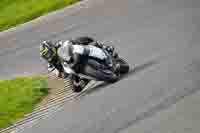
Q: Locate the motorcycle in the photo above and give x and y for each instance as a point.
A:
(112, 74)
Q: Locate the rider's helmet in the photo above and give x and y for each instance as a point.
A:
(48, 50)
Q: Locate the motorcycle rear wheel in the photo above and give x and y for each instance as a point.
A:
(124, 66)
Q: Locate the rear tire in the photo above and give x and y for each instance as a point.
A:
(124, 67)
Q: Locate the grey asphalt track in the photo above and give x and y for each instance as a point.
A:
(159, 37)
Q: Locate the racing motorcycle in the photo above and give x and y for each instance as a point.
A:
(111, 74)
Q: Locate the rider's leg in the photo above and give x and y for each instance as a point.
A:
(96, 65)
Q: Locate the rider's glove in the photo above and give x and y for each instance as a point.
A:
(50, 67)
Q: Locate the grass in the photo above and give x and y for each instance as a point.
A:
(15, 12)
(19, 97)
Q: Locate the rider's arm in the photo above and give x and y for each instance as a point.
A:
(75, 60)
(72, 64)
(77, 52)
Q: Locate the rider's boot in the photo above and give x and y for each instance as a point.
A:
(80, 85)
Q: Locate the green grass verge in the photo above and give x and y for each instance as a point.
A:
(19, 97)
(14, 12)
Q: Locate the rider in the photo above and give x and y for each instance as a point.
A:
(72, 52)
